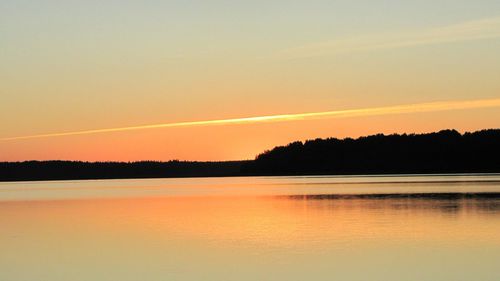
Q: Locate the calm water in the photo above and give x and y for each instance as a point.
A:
(262, 228)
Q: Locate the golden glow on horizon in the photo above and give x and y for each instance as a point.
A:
(162, 80)
(376, 111)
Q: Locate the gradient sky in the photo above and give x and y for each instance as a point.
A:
(85, 65)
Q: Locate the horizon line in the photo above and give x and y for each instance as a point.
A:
(360, 112)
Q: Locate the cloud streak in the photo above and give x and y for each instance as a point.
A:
(466, 31)
(362, 112)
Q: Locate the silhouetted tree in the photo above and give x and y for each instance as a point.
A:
(444, 151)
(65, 170)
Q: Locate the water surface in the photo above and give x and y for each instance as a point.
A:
(437, 227)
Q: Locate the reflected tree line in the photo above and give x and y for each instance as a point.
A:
(446, 151)
(484, 202)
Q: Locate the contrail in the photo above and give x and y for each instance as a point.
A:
(374, 111)
(480, 29)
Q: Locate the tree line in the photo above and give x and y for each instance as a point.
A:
(446, 151)
(69, 170)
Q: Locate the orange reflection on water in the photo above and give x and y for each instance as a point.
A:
(270, 221)
(248, 238)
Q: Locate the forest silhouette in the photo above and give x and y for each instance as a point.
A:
(446, 151)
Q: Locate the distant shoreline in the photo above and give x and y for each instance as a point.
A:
(451, 174)
(444, 152)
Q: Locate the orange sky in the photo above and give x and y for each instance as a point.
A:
(240, 141)
(84, 66)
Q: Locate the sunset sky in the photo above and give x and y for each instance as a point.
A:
(119, 76)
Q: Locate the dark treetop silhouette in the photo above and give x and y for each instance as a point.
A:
(446, 151)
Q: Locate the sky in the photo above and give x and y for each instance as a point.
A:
(95, 67)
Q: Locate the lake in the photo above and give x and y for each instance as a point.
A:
(425, 227)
